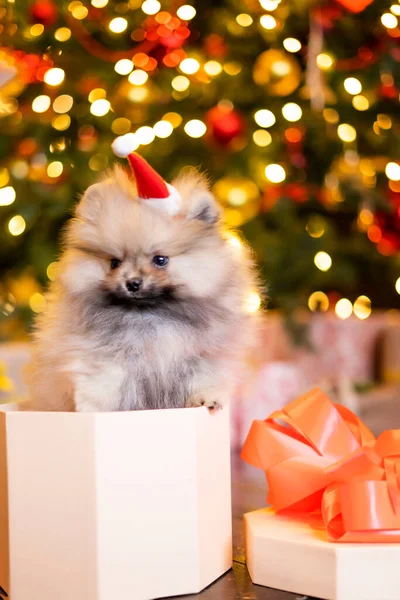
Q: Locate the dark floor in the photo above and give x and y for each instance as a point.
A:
(249, 493)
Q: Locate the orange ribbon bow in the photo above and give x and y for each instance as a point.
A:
(319, 457)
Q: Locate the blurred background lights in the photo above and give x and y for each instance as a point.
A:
(51, 271)
(264, 118)
(322, 261)
(318, 302)
(123, 66)
(244, 20)
(7, 195)
(145, 135)
(63, 104)
(62, 34)
(55, 169)
(97, 94)
(392, 171)
(40, 104)
(397, 286)
(262, 138)
(186, 12)
(291, 45)
(395, 9)
(100, 107)
(180, 83)
(118, 25)
(54, 76)
(343, 308)
(79, 12)
(61, 123)
(292, 112)
(99, 3)
(352, 86)
(268, 22)
(195, 128)
(269, 4)
(362, 307)
(389, 21)
(234, 241)
(189, 66)
(37, 302)
(252, 302)
(275, 173)
(324, 61)
(163, 129)
(213, 68)
(16, 225)
(346, 132)
(36, 30)
(151, 7)
(360, 103)
(138, 77)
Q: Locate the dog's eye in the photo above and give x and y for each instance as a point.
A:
(114, 263)
(160, 261)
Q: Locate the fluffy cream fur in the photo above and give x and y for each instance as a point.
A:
(179, 341)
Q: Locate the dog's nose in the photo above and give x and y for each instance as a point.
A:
(133, 285)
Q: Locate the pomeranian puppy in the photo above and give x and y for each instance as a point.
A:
(147, 310)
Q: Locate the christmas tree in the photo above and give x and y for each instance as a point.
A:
(289, 105)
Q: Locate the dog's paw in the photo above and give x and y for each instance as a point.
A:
(210, 401)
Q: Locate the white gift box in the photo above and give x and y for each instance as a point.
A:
(129, 505)
(289, 555)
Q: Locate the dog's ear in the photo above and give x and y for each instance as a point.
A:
(198, 202)
(88, 206)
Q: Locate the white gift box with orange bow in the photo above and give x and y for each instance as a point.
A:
(128, 505)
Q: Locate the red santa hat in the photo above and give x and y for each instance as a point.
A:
(151, 187)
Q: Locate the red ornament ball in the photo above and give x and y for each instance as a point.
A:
(44, 12)
(225, 124)
(355, 6)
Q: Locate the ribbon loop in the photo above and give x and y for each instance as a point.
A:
(323, 458)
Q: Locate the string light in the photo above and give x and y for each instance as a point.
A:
(163, 129)
(16, 225)
(252, 302)
(118, 25)
(213, 68)
(100, 107)
(324, 61)
(36, 30)
(275, 173)
(264, 118)
(269, 4)
(262, 138)
(268, 22)
(330, 115)
(318, 301)
(54, 76)
(244, 20)
(397, 286)
(138, 94)
(138, 77)
(395, 9)
(352, 86)
(123, 66)
(80, 12)
(62, 34)
(37, 302)
(97, 94)
(189, 66)
(51, 271)
(121, 125)
(343, 308)
(180, 83)
(195, 128)
(360, 103)
(174, 118)
(315, 227)
(384, 121)
(151, 7)
(61, 123)
(186, 12)
(4, 177)
(292, 112)
(346, 132)
(55, 169)
(322, 261)
(232, 68)
(362, 307)
(291, 45)
(389, 21)
(99, 3)
(41, 103)
(145, 135)
(63, 104)
(7, 195)
(392, 171)
(234, 241)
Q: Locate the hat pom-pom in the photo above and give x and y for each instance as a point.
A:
(124, 145)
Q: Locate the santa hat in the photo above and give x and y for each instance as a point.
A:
(151, 187)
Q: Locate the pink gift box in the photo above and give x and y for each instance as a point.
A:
(129, 505)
